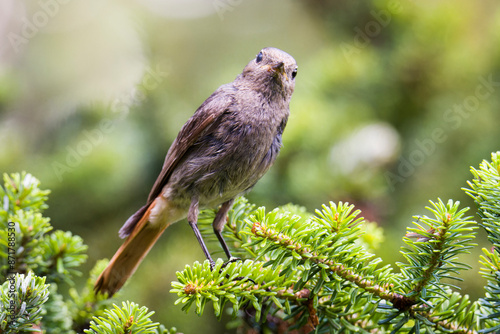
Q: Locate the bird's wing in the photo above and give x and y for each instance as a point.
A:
(202, 120)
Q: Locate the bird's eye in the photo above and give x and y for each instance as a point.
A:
(294, 73)
(259, 57)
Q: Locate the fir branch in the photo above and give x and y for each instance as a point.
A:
(321, 254)
(33, 246)
(316, 273)
(305, 253)
(128, 319)
(432, 257)
(29, 246)
(21, 191)
(485, 190)
(27, 227)
(21, 301)
(61, 252)
(241, 284)
(327, 241)
(452, 314)
(85, 304)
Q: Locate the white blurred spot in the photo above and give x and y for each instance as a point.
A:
(369, 147)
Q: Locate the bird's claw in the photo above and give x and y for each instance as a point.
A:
(231, 260)
(225, 264)
(240, 278)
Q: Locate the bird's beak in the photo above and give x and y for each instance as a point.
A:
(278, 68)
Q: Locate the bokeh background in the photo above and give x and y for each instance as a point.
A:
(394, 101)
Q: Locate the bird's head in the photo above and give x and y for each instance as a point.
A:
(271, 71)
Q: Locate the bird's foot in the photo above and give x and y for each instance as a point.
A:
(231, 260)
(239, 278)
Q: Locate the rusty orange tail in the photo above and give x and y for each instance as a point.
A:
(128, 257)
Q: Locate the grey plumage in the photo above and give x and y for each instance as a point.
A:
(229, 143)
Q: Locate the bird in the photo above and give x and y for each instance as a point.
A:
(220, 153)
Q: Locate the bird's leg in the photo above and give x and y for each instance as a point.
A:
(218, 225)
(193, 222)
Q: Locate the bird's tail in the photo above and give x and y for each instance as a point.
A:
(128, 257)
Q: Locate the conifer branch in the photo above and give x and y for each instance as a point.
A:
(304, 253)
(301, 272)
(485, 190)
(432, 257)
(34, 259)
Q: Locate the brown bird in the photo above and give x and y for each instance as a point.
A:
(220, 153)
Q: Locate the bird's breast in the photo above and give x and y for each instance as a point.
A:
(230, 159)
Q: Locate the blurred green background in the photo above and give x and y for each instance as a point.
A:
(394, 101)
